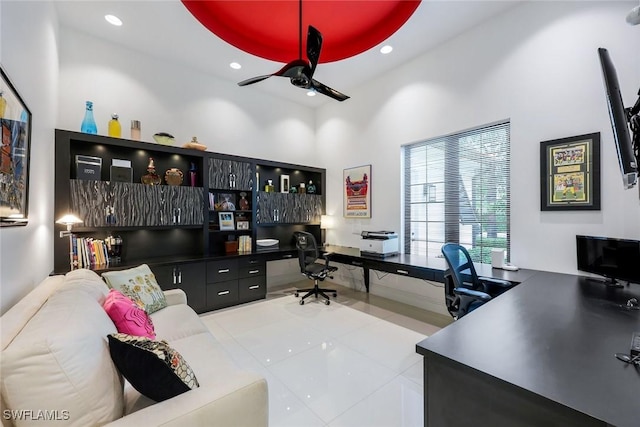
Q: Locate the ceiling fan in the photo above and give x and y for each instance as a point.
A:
(300, 71)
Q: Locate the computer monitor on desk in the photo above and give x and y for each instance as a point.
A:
(614, 259)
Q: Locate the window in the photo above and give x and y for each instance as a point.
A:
(456, 189)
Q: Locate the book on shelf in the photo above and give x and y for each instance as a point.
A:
(89, 252)
(244, 244)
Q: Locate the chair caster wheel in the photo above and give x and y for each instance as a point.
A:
(296, 295)
(301, 302)
(327, 302)
(335, 295)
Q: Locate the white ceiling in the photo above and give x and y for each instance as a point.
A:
(165, 29)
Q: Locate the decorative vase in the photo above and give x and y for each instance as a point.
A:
(193, 177)
(269, 188)
(88, 123)
(114, 128)
(311, 188)
(173, 176)
(151, 178)
(243, 203)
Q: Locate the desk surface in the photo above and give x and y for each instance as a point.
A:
(554, 335)
(434, 264)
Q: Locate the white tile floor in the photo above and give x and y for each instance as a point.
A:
(350, 363)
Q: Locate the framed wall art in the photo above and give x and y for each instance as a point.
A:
(570, 173)
(356, 192)
(15, 122)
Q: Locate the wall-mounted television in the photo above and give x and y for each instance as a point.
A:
(627, 142)
(615, 259)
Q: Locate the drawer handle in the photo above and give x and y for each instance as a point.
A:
(223, 293)
(402, 271)
(254, 271)
(254, 287)
(287, 256)
(359, 264)
(253, 261)
(224, 270)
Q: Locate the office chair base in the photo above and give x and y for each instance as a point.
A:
(315, 291)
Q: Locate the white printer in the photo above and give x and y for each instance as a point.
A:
(379, 243)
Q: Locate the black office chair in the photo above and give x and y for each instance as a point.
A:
(307, 255)
(464, 290)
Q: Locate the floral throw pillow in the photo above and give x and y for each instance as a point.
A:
(140, 285)
(152, 367)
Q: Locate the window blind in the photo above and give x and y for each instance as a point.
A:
(456, 189)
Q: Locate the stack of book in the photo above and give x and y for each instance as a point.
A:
(244, 244)
(89, 253)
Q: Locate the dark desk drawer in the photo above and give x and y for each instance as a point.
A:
(251, 267)
(223, 294)
(223, 270)
(401, 270)
(252, 288)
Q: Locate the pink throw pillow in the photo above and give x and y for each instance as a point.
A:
(127, 316)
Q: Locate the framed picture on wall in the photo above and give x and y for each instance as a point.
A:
(15, 125)
(356, 192)
(570, 173)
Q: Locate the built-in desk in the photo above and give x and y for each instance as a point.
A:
(417, 266)
(541, 354)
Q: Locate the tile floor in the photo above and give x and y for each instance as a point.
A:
(351, 363)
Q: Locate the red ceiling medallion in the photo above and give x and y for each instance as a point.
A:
(270, 29)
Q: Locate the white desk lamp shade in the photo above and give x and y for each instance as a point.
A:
(326, 221)
(69, 220)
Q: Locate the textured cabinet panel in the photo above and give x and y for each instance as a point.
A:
(104, 204)
(288, 208)
(230, 175)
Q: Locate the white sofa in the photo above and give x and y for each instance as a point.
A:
(56, 365)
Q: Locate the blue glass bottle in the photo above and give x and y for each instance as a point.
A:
(89, 124)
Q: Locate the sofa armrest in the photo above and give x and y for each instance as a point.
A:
(175, 296)
(241, 402)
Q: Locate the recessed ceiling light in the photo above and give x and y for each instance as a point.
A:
(235, 65)
(113, 20)
(311, 93)
(386, 49)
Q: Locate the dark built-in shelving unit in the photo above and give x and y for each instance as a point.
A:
(174, 229)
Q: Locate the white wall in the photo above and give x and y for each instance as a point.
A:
(168, 97)
(28, 54)
(536, 65)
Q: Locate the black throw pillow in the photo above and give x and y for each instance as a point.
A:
(152, 367)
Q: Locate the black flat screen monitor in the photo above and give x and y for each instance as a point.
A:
(612, 258)
(619, 121)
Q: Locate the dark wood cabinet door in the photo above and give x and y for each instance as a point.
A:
(190, 277)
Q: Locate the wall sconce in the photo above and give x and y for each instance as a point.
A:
(326, 222)
(69, 220)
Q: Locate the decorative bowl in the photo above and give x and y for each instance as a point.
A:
(267, 242)
(164, 138)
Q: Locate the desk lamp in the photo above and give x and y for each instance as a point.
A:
(69, 220)
(326, 222)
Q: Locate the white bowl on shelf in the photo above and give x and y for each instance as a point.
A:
(263, 243)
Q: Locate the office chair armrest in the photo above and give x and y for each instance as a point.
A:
(496, 282)
(473, 294)
(326, 257)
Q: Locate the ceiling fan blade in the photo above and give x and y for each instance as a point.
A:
(289, 70)
(326, 90)
(253, 80)
(314, 45)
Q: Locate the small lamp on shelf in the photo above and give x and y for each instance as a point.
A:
(326, 222)
(69, 220)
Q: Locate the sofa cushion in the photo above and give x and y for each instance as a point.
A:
(140, 285)
(127, 316)
(61, 361)
(152, 367)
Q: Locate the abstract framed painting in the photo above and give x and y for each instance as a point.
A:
(15, 123)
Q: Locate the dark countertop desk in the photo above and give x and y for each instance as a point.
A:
(541, 354)
(417, 266)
